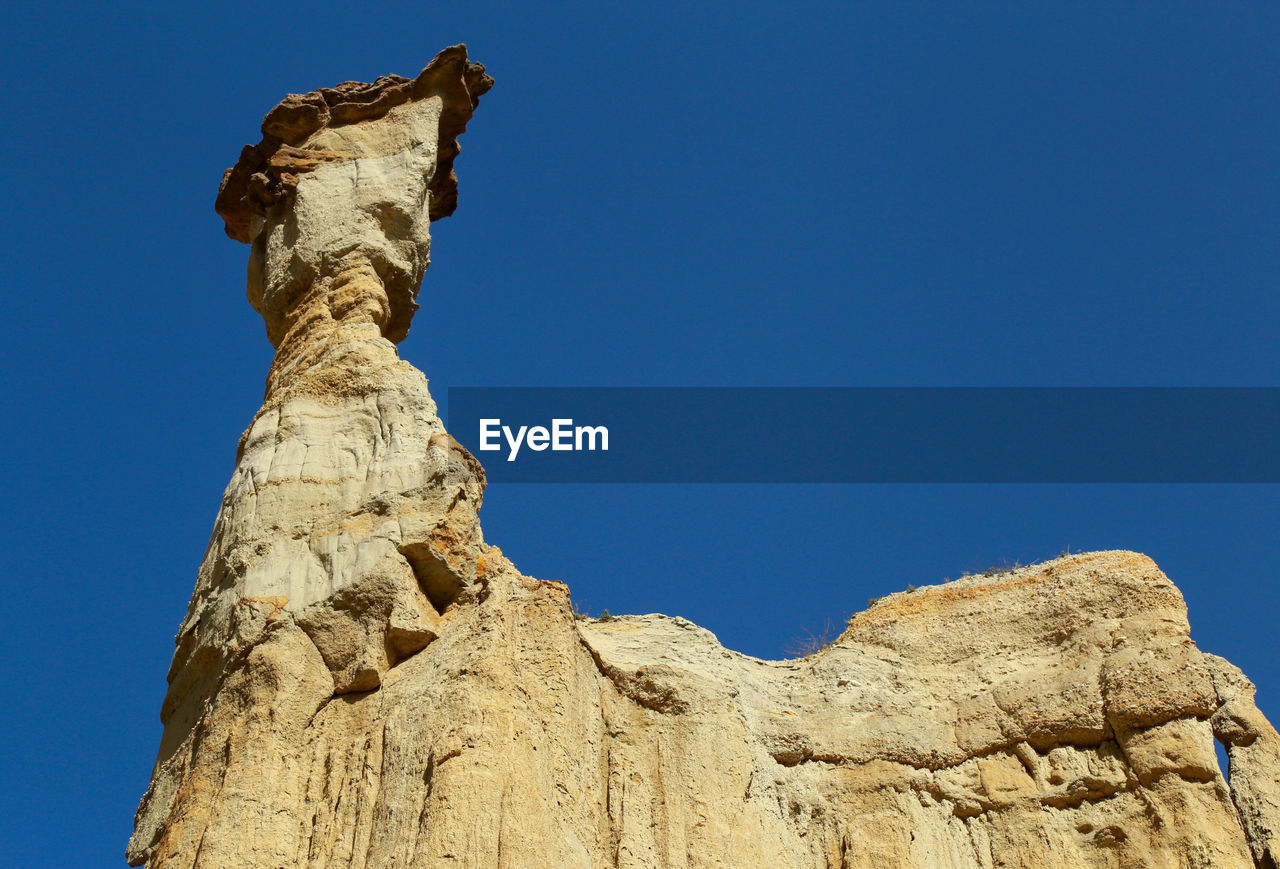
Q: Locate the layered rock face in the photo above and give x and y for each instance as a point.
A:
(362, 681)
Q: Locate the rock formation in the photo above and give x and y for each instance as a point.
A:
(362, 681)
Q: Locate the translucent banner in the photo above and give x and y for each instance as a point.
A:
(871, 435)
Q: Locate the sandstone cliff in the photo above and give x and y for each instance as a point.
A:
(362, 681)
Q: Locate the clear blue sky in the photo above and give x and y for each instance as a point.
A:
(653, 194)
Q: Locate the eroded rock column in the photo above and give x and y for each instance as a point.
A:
(349, 525)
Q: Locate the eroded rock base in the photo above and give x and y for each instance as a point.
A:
(1072, 726)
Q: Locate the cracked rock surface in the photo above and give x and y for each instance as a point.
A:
(362, 681)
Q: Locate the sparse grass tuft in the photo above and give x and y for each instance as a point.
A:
(811, 643)
(1003, 567)
(582, 613)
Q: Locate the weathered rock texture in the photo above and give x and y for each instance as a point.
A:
(362, 681)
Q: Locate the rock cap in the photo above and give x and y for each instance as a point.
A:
(268, 170)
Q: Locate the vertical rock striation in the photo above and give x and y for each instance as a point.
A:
(361, 681)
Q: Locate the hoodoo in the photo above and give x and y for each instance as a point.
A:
(362, 681)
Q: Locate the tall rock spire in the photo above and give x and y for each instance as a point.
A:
(349, 526)
(361, 681)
